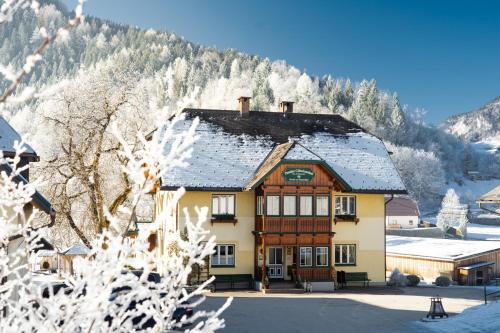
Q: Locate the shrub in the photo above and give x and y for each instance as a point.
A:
(412, 280)
(443, 281)
(397, 279)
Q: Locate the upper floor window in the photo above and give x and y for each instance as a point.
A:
(289, 205)
(223, 205)
(260, 205)
(345, 205)
(306, 205)
(322, 205)
(273, 205)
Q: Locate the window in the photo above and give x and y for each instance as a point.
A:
(223, 256)
(306, 203)
(322, 256)
(289, 205)
(306, 256)
(410, 222)
(223, 205)
(345, 254)
(273, 205)
(345, 205)
(260, 205)
(322, 203)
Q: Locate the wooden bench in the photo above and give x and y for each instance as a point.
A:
(233, 280)
(358, 277)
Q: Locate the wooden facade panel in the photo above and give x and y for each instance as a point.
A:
(321, 176)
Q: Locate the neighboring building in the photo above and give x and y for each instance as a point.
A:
(465, 262)
(67, 257)
(289, 194)
(402, 213)
(7, 138)
(490, 201)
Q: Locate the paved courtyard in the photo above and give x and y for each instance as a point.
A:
(374, 309)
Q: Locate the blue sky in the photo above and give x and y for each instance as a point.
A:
(442, 55)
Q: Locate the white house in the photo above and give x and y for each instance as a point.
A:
(401, 213)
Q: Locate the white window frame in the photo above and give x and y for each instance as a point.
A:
(274, 206)
(223, 204)
(308, 254)
(345, 247)
(260, 205)
(228, 260)
(301, 213)
(287, 211)
(324, 250)
(345, 205)
(327, 213)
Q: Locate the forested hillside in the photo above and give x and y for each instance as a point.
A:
(171, 68)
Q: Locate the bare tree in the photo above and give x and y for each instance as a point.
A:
(85, 174)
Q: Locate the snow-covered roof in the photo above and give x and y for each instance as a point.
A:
(492, 196)
(75, 250)
(437, 248)
(7, 137)
(231, 149)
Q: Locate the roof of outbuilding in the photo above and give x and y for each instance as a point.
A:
(76, 250)
(401, 206)
(492, 196)
(233, 150)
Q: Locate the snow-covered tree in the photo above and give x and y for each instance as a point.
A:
(104, 295)
(453, 214)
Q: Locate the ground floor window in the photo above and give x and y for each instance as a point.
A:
(322, 256)
(306, 256)
(345, 254)
(223, 256)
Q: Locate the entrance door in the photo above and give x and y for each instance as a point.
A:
(275, 262)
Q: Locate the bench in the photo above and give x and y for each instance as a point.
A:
(233, 280)
(358, 277)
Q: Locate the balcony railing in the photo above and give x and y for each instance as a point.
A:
(294, 224)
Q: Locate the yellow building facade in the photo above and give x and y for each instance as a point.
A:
(290, 197)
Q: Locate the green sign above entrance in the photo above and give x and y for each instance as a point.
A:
(296, 174)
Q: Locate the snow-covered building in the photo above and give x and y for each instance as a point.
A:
(402, 213)
(490, 202)
(67, 257)
(8, 136)
(289, 194)
(465, 262)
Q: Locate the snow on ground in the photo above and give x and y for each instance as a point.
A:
(490, 145)
(480, 318)
(483, 232)
(446, 249)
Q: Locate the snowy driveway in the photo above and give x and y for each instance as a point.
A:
(374, 309)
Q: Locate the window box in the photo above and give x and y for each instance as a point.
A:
(346, 218)
(223, 219)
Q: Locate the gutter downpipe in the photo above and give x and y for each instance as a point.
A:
(385, 232)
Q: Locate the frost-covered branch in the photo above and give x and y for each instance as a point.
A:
(6, 11)
(105, 295)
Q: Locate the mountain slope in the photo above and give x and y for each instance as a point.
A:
(478, 125)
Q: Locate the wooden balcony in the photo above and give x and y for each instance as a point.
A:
(282, 224)
(315, 273)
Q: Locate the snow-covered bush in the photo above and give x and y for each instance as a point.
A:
(442, 281)
(453, 214)
(102, 296)
(412, 280)
(397, 279)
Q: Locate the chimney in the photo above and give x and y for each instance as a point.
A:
(286, 107)
(244, 105)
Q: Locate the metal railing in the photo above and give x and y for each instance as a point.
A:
(492, 282)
